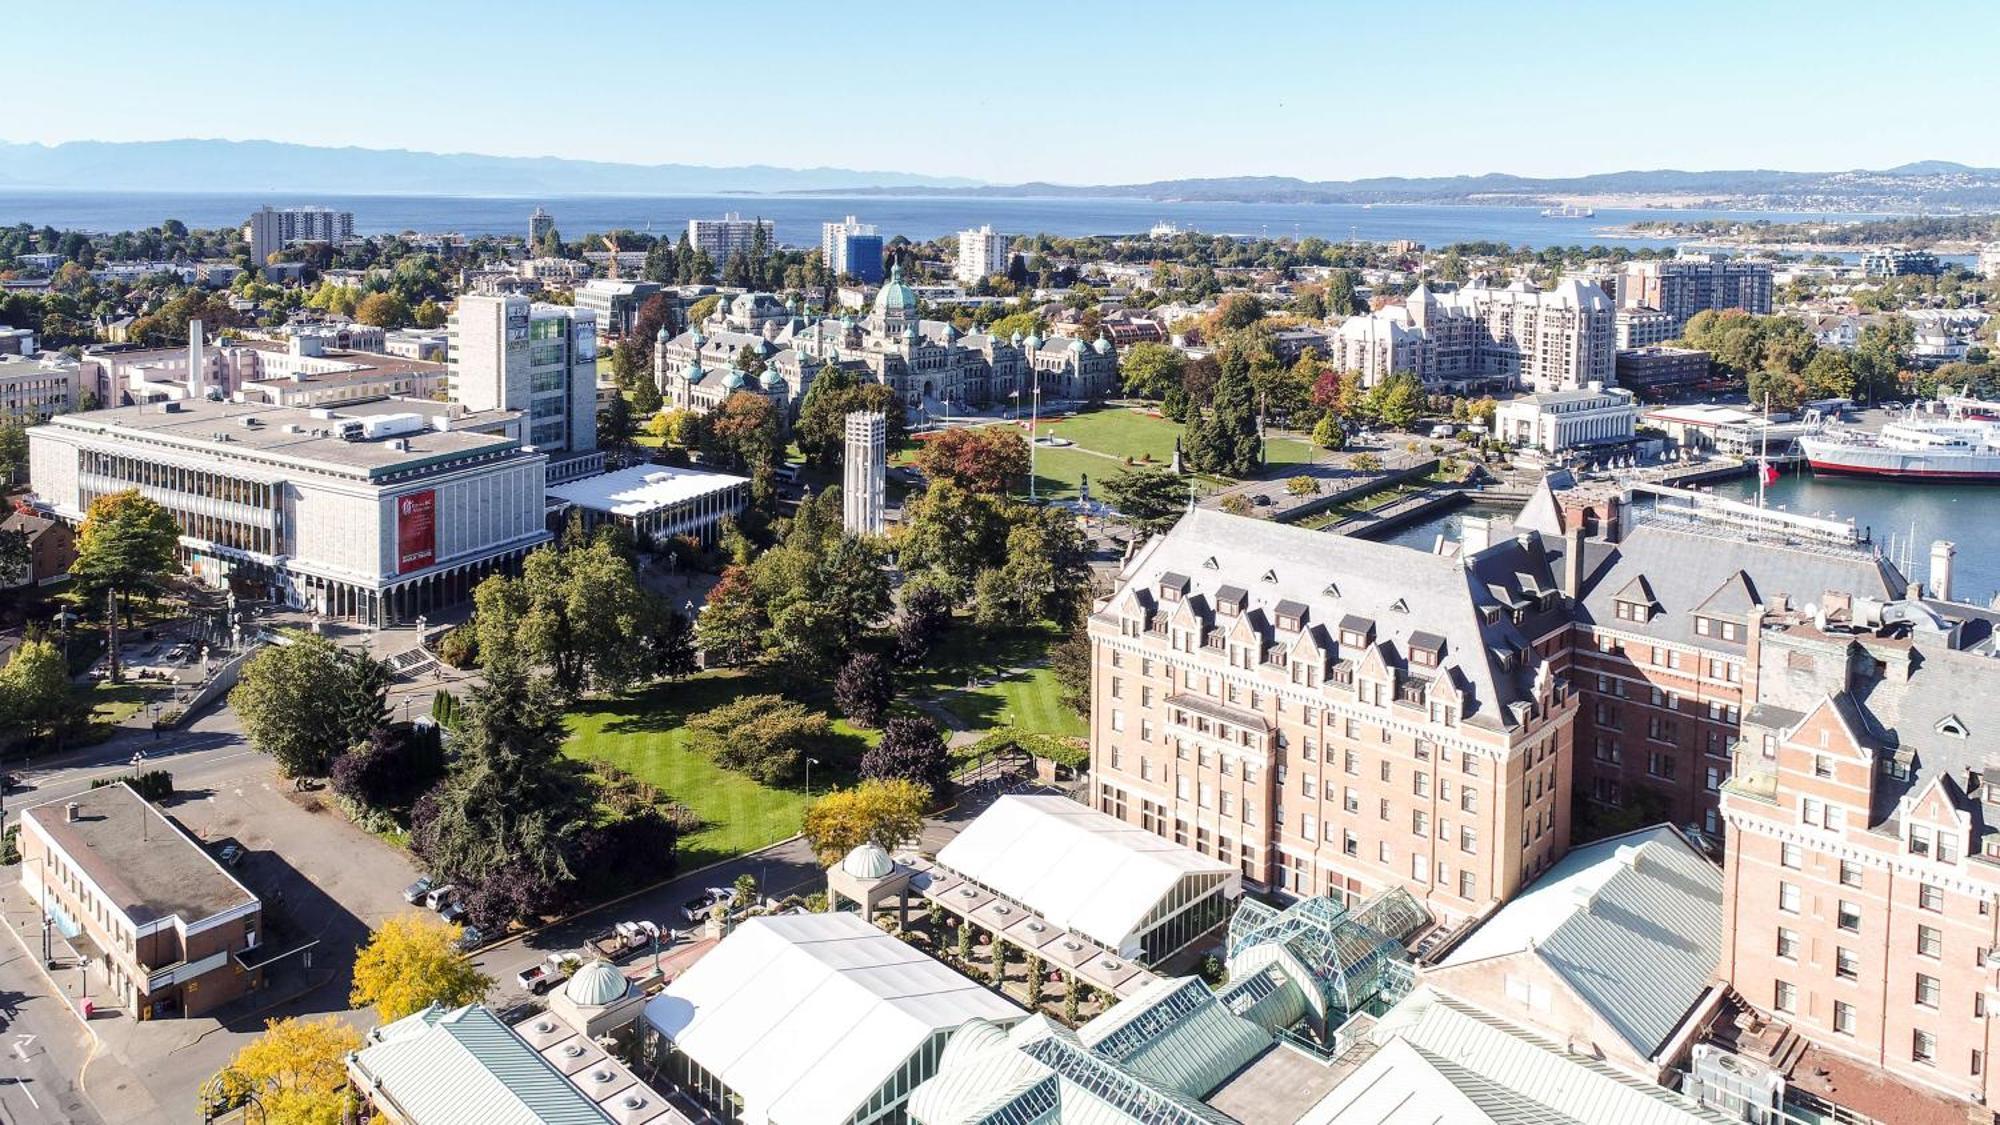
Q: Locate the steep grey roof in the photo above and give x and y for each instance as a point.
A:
(1638, 590)
(1733, 598)
(1633, 924)
(1686, 567)
(1444, 596)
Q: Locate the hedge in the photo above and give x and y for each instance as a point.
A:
(1070, 752)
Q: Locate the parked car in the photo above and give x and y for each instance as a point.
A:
(230, 854)
(453, 911)
(438, 897)
(470, 939)
(415, 892)
(710, 901)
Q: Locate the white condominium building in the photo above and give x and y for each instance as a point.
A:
(723, 238)
(981, 253)
(832, 236)
(1483, 336)
(509, 353)
(270, 230)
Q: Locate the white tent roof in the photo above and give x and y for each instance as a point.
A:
(1081, 869)
(806, 1015)
(642, 489)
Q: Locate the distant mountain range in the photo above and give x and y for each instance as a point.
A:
(1926, 184)
(272, 166)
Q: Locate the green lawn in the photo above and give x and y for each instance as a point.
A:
(111, 704)
(1026, 699)
(642, 732)
(1288, 451)
(1121, 432)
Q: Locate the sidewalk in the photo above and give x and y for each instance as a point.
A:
(104, 1077)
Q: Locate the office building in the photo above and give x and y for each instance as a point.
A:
(1590, 417)
(374, 512)
(18, 341)
(616, 304)
(863, 469)
(1482, 337)
(1682, 287)
(36, 388)
(981, 254)
(1334, 716)
(1641, 327)
(812, 1019)
(732, 234)
(1860, 882)
(510, 353)
(540, 225)
(169, 929)
(1658, 373)
(270, 230)
(853, 249)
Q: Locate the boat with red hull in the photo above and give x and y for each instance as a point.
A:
(1953, 450)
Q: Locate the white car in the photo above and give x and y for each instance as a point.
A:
(698, 908)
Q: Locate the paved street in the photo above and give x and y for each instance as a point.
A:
(42, 1046)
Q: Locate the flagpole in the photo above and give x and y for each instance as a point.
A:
(1764, 452)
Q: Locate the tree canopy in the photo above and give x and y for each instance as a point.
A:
(411, 962)
(306, 701)
(887, 812)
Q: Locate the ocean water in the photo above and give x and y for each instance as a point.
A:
(1901, 519)
(798, 217)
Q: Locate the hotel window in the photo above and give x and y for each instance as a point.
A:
(1224, 802)
(1822, 766)
(1713, 779)
(1382, 854)
(1788, 944)
(1350, 801)
(1931, 898)
(1660, 765)
(1788, 897)
(1790, 855)
(1207, 795)
(1843, 1017)
(1181, 788)
(1468, 800)
(1420, 784)
(1385, 770)
(1468, 840)
(1849, 917)
(1468, 884)
(1308, 825)
(1784, 996)
(1420, 823)
(1351, 763)
(1117, 719)
(1930, 941)
(1249, 811)
(1846, 965)
(1350, 844)
(1382, 809)
(1923, 1048)
(1850, 873)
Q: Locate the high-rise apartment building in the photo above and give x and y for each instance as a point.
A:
(1682, 287)
(732, 234)
(852, 248)
(1482, 336)
(862, 472)
(981, 253)
(539, 225)
(510, 353)
(1862, 875)
(1335, 716)
(270, 230)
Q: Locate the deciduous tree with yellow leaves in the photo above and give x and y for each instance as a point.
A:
(412, 962)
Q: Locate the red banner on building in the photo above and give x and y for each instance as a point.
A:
(416, 530)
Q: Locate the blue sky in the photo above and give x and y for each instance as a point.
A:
(1076, 92)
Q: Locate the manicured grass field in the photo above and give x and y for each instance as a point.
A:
(1121, 432)
(643, 733)
(1287, 451)
(1020, 691)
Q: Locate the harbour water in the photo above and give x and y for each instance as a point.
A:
(1901, 520)
(797, 217)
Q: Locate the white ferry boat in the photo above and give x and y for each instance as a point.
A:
(1569, 211)
(1914, 448)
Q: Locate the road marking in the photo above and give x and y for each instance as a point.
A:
(21, 1084)
(21, 1044)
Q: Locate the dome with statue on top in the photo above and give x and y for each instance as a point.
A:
(896, 299)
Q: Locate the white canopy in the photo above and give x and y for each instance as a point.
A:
(1082, 869)
(807, 1015)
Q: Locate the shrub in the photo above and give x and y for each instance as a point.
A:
(459, 647)
(153, 785)
(767, 737)
(911, 749)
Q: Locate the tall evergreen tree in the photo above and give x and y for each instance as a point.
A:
(1224, 439)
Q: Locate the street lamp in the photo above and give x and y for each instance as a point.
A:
(1034, 420)
(810, 763)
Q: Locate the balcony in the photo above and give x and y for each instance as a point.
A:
(1751, 774)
